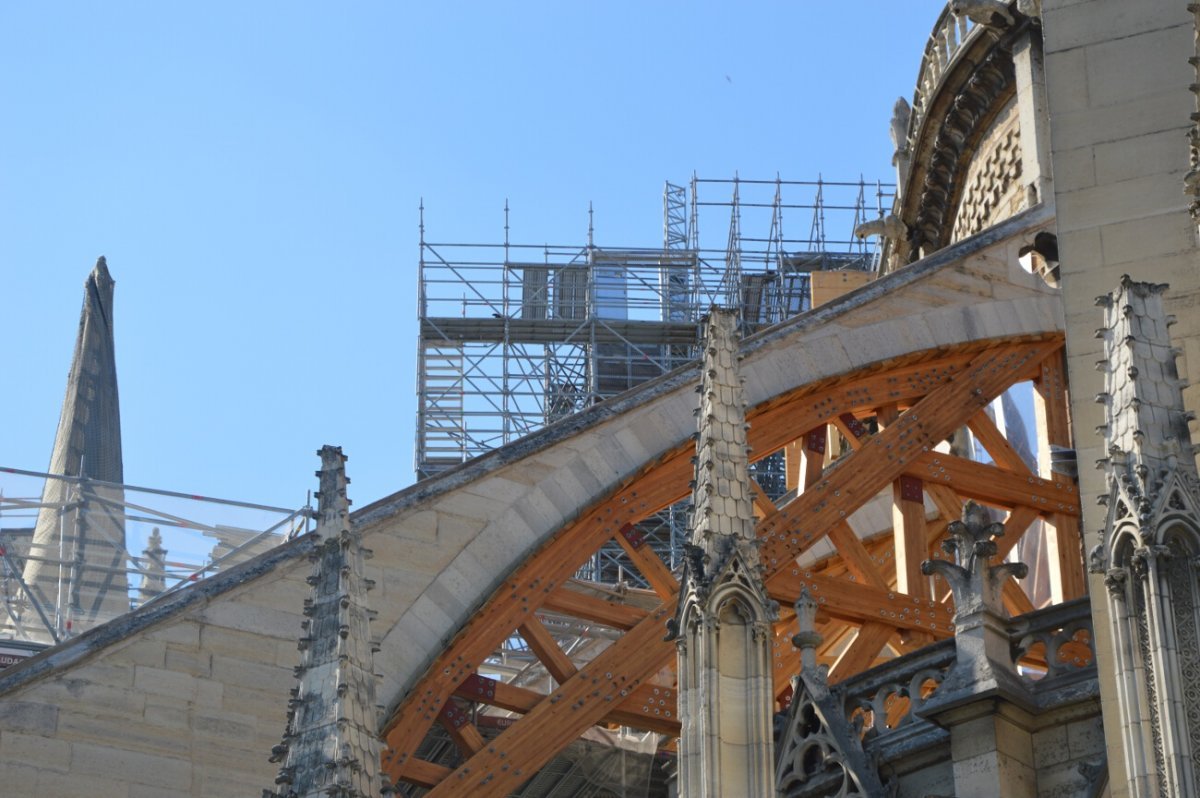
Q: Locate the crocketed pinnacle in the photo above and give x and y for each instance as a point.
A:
(1146, 426)
(724, 515)
(330, 748)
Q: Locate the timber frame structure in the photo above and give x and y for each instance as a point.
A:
(875, 602)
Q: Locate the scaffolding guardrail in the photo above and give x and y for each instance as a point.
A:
(112, 548)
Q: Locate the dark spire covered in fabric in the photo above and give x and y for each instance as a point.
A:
(330, 748)
(88, 445)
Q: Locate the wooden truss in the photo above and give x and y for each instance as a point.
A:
(872, 593)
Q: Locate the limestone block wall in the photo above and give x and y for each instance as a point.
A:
(188, 705)
(1066, 756)
(1117, 77)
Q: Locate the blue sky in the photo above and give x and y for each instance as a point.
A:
(252, 172)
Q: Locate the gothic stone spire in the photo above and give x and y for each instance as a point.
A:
(330, 748)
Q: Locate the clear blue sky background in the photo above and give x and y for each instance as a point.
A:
(252, 172)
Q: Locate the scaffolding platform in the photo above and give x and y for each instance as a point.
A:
(513, 337)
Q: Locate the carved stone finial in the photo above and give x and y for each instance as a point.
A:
(807, 638)
(976, 585)
(154, 567)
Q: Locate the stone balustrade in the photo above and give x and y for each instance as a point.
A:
(950, 33)
(1050, 647)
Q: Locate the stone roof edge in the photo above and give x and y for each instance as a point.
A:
(685, 376)
(160, 610)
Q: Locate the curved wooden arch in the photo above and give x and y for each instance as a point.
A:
(917, 400)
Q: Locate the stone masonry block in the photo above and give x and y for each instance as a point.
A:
(1086, 737)
(194, 663)
(44, 752)
(473, 506)
(164, 682)
(180, 633)
(107, 762)
(1078, 24)
(142, 652)
(1067, 84)
(73, 784)
(254, 619)
(223, 641)
(19, 778)
(167, 718)
(233, 727)
(1150, 238)
(29, 716)
(1075, 169)
(1050, 747)
(246, 673)
(94, 698)
(1164, 152)
(1119, 202)
(135, 735)
(420, 525)
(1137, 117)
(1111, 81)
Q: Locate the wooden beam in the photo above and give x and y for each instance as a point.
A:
(763, 506)
(857, 559)
(792, 465)
(781, 420)
(517, 753)
(425, 774)
(462, 732)
(522, 593)
(648, 563)
(1064, 538)
(1002, 452)
(885, 456)
(812, 460)
(661, 718)
(912, 545)
(543, 644)
(861, 654)
(851, 428)
(995, 485)
(592, 608)
(841, 598)
(1014, 527)
(1016, 601)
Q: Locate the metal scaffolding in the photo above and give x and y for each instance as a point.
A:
(179, 538)
(516, 336)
